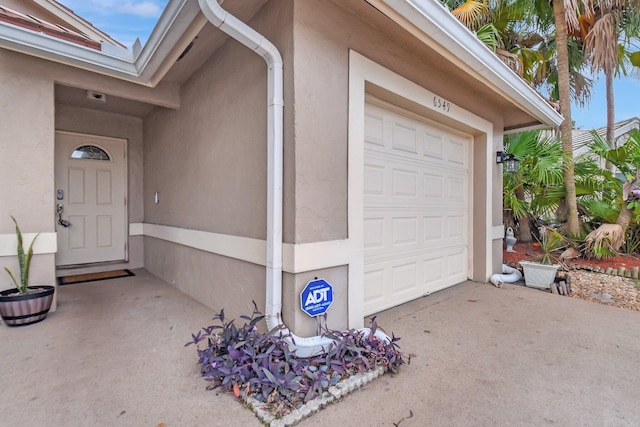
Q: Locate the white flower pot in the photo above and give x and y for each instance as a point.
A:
(538, 275)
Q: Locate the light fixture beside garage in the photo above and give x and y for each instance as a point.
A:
(511, 161)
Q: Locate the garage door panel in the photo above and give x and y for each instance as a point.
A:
(405, 137)
(416, 209)
(457, 189)
(456, 228)
(455, 264)
(373, 128)
(433, 187)
(374, 233)
(433, 273)
(404, 276)
(433, 229)
(374, 279)
(404, 183)
(458, 152)
(374, 180)
(404, 231)
(433, 145)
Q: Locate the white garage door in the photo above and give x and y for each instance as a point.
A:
(416, 209)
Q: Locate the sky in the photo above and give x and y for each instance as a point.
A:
(124, 20)
(130, 19)
(626, 96)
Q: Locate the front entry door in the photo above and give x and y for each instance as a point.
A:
(90, 175)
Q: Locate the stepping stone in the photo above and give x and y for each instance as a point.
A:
(602, 297)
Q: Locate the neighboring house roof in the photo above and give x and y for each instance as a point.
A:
(621, 131)
(35, 24)
(76, 22)
(428, 20)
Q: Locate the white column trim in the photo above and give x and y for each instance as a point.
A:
(47, 243)
(497, 232)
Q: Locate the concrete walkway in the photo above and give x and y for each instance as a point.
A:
(113, 355)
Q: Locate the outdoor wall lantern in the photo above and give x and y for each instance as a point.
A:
(511, 161)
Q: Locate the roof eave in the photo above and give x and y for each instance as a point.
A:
(436, 22)
(145, 67)
(115, 61)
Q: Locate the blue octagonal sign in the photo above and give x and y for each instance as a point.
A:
(316, 297)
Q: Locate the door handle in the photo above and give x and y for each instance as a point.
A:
(62, 222)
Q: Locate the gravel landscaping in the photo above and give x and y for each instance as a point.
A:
(605, 289)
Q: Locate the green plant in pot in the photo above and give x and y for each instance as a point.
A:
(552, 241)
(542, 272)
(24, 304)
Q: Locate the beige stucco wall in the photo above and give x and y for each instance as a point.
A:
(208, 163)
(26, 166)
(216, 281)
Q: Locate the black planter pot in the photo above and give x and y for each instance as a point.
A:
(20, 310)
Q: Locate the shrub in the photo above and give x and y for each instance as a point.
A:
(250, 363)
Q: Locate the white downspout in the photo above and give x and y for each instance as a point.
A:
(275, 103)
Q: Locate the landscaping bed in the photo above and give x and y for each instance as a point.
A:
(593, 286)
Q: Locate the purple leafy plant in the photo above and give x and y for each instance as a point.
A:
(247, 362)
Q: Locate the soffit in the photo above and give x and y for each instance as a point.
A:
(207, 41)
(113, 104)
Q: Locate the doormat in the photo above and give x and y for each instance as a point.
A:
(94, 277)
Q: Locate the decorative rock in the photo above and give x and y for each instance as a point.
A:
(621, 271)
(634, 272)
(605, 297)
(609, 270)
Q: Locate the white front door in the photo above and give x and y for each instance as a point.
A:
(90, 175)
(416, 208)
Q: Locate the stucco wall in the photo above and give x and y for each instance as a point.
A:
(208, 163)
(26, 166)
(94, 122)
(216, 281)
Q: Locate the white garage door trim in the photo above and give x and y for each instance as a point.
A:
(366, 76)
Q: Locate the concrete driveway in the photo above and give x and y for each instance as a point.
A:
(113, 355)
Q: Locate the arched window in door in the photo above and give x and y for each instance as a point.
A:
(90, 152)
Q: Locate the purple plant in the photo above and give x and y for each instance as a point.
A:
(245, 361)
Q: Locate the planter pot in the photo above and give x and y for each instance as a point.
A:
(19, 310)
(538, 275)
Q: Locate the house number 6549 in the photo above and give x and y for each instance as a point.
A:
(441, 104)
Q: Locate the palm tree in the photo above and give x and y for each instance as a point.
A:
(626, 159)
(540, 171)
(607, 36)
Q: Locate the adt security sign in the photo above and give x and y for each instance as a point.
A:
(316, 297)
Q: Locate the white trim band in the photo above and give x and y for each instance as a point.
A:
(296, 258)
(47, 243)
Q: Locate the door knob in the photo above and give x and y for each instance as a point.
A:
(62, 222)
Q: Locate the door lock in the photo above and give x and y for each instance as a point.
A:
(62, 222)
